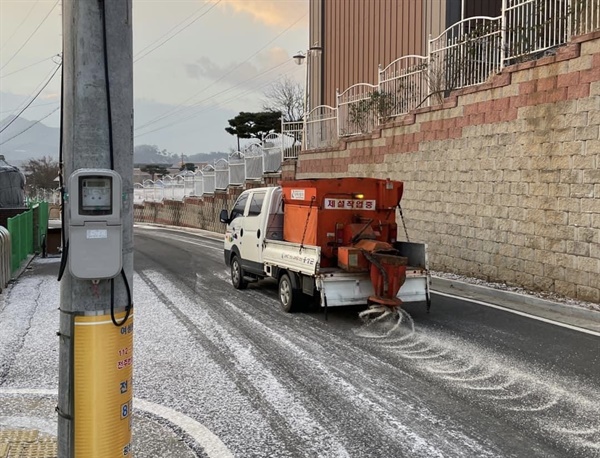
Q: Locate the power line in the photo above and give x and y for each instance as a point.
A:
(30, 65)
(36, 89)
(31, 101)
(170, 30)
(25, 130)
(219, 93)
(19, 26)
(237, 96)
(174, 35)
(30, 36)
(12, 110)
(174, 111)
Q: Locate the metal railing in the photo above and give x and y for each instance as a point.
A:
(533, 26)
(321, 127)
(465, 54)
(405, 83)
(291, 139)
(357, 110)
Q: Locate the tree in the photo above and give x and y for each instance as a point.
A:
(154, 169)
(285, 96)
(188, 166)
(41, 173)
(151, 154)
(254, 125)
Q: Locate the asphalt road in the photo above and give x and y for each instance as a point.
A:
(468, 381)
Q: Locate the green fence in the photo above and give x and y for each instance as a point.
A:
(28, 233)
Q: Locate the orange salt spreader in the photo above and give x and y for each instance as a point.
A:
(353, 221)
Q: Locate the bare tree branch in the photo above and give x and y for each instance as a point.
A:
(285, 96)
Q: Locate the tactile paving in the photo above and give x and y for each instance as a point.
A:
(23, 443)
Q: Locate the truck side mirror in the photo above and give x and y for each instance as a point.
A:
(224, 217)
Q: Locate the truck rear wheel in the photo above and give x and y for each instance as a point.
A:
(288, 296)
(237, 274)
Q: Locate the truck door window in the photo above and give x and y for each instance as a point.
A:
(238, 208)
(256, 203)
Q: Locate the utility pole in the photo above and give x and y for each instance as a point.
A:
(96, 314)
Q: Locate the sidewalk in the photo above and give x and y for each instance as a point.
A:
(28, 429)
(28, 421)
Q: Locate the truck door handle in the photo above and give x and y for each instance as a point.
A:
(258, 234)
(242, 232)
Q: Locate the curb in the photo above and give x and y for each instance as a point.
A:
(577, 316)
(187, 230)
(23, 267)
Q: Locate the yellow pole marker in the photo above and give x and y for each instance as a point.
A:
(103, 369)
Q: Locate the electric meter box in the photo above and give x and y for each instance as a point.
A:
(95, 224)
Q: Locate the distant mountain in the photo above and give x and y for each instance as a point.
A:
(36, 140)
(150, 154)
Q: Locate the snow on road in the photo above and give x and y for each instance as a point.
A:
(269, 384)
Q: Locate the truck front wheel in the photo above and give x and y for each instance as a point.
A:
(237, 274)
(288, 296)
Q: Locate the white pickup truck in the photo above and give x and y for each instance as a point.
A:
(254, 249)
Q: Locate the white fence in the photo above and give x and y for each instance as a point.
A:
(291, 139)
(465, 54)
(321, 127)
(250, 164)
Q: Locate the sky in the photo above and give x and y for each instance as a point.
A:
(197, 63)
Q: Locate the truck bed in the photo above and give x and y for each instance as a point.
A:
(350, 288)
(303, 259)
(342, 287)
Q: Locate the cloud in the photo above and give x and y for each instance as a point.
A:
(237, 73)
(269, 12)
(50, 96)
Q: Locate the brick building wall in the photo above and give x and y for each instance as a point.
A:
(502, 180)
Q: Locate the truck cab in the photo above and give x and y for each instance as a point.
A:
(256, 215)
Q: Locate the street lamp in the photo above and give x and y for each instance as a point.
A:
(299, 57)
